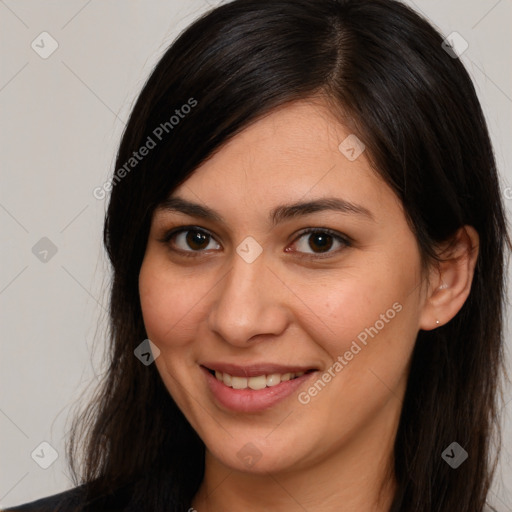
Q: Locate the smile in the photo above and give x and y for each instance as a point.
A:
(253, 388)
(255, 383)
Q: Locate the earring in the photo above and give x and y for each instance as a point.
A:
(438, 322)
(443, 286)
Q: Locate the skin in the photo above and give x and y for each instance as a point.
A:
(287, 309)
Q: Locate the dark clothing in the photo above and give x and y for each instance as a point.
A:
(67, 501)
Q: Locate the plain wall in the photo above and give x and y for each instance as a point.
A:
(62, 118)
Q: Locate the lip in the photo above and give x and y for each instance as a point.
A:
(254, 370)
(249, 400)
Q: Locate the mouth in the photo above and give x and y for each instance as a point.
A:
(255, 388)
(256, 382)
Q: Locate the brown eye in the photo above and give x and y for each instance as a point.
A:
(320, 241)
(196, 239)
(190, 240)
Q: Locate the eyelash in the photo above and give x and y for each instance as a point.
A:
(343, 239)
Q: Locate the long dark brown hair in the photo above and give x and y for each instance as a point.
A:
(384, 69)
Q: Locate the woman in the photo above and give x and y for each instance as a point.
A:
(305, 220)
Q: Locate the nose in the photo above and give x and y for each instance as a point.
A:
(249, 304)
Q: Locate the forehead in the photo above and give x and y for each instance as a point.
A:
(296, 152)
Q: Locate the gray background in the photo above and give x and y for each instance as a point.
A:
(62, 120)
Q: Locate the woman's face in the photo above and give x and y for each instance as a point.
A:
(250, 292)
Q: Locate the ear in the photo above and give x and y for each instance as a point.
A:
(450, 280)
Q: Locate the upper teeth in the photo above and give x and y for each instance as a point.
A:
(259, 382)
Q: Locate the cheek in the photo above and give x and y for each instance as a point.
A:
(368, 307)
(168, 302)
(372, 327)
(369, 333)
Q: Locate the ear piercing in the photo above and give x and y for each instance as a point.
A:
(442, 287)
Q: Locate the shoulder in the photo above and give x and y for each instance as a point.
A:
(75, 499)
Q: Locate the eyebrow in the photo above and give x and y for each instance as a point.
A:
(277, 215)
